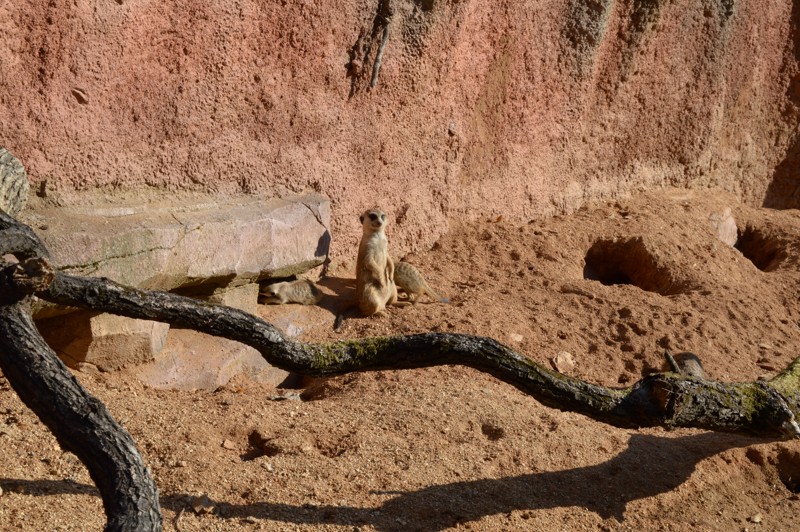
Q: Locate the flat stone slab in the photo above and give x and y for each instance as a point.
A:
(216, 250)
(168, 246)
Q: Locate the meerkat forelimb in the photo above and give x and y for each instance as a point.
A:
(408, 278)
(375, 288)
(302, 291)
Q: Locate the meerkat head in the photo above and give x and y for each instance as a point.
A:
(373, 219)
(272, 293)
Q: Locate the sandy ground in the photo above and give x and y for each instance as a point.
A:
(450, 448)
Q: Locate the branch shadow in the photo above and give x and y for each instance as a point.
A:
(47, 487)
(650, 465)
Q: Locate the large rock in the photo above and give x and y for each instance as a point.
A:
(214, 250)
(104, 340)
(168, 246)
(195, 361)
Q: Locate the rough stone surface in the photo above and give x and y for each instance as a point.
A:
(724, 226)
(14, 184)
(194, 361)
(480, 109)
(106, 341)
(243, 297)
(185, 243)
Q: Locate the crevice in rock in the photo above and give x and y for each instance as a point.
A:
(367, 52)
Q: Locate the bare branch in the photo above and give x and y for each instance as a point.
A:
(669, 400)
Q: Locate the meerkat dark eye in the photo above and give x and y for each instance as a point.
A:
(373, 216)
(383, 217)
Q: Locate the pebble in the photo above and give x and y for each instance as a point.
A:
(563, 362)
(202, 504)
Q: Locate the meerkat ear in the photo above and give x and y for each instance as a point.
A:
(361, 218)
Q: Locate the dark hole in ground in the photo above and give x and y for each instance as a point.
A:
(789, 469)
(616, 262)
(766, 252)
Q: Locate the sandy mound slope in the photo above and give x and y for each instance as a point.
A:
(448, 447)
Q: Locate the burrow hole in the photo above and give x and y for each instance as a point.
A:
(789, 469)
(616, 262)
(763, 250)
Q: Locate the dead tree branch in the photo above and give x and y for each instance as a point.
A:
(667, 399)
(80, 423)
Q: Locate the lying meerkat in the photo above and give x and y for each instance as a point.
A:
(375, 286)
(410, 280)
(686, 363)
(301, 291)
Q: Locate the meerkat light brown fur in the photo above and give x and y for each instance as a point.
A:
(375, 288)
(302, 291)
(410, 280)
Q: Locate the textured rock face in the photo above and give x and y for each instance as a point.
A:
(14, 185)
(180, 243)
(480, 108)
(216, 250)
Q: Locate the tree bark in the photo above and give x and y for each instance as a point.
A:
(81, 424)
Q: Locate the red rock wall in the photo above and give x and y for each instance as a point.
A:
(511, 108)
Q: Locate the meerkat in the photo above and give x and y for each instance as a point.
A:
(686, 363)
(302, 291)
(375, 288)
(410, 280)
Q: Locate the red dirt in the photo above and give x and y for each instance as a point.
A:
(451, 448)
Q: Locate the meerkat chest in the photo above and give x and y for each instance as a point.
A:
(374, 245)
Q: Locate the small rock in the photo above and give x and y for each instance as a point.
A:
(516, 337)
(202, 504)
(756, 518)
(181, 463)
(563, 362)
(269, 467)
(724, 226)
(228, 444)
(86, 367)
(765, 346)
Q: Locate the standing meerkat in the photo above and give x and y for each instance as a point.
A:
(302, 291)
(375, 288)
(410, 280)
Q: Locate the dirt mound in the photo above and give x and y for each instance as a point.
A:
(449, 447)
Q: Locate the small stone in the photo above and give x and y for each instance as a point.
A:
(756, 518)
(202, 504)
(269, 467)
(516, 337)
(765, 346)
(86, 367)
(228, 444)
(724, 226)
(563, 362)
(181, 463)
